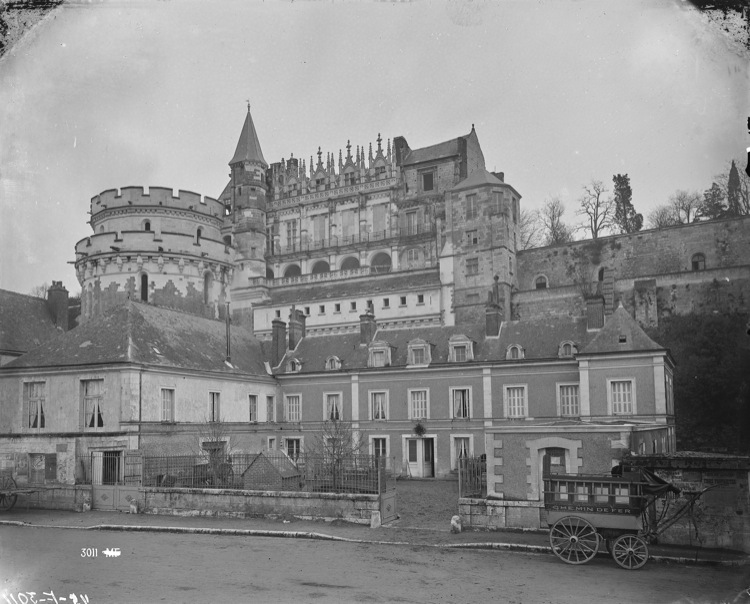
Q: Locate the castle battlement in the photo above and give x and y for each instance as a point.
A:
(156, 196)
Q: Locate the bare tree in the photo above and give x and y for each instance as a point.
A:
(40, 291)
(529, 230)
(213, 452)
(742, 188)
(337, 439)
(663, 216)
(598, 209)
(555, 231)
(686, 205)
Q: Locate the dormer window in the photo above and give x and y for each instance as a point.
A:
(333, 363)
(350, 178)
(294, 366)
(380, 354)
(461, 349)
(514, 352)
(566, 350)
(419, 353)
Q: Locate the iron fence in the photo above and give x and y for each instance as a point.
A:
(472, 476)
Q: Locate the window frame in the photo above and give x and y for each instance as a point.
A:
(698, 262)
(271, 402)
(39, 404)
(214, 406)
(610, 396)
(457, 342)
(253, 417)
(471, 206)
(340, 406)
(560, 402)
(387, 439)
(509, 352)
(371, 405)
(301, 446)
(84, 405)
(333, 363)
(469, 402)
(288, 409)
(410, 410)
(469, 438)
(168, 418)
(426, 174)
(506, 401)
(472, 266)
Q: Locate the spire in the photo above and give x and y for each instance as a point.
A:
(248, 147)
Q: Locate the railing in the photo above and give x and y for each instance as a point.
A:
(472, 477)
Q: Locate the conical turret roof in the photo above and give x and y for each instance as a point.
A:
(248, 147)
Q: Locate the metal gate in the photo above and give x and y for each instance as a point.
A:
(115, 479)
(386, 492)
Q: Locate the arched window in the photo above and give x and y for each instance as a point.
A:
(207, 283)
(292, 270)
(294, 366)
(566, 349)
(198, 235)
(698, 262)
(381, 263)
(514, 352)
(144, 287)
(269, 273)
(541, 282)
(333, 363)
(147, 225)
(321, 266)
(350, 263)
(412, 258)
(600, 276)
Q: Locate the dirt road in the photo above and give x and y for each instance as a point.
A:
(205, 568)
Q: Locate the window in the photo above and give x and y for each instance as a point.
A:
(278, 314)
(147, 225)
(291, 234)
(418, 404)
(411, 223)
(461, 449)
(337, 308)
(167, 404)
(459, 353)
(144, 287)
(350, 178)
(699, 262)
(461, 403)
(294, 366)
(333, 406)
(93, 391)
(669, 393)
(402, 301)
(378, 358)
(515, 401)
(569, 400)
(252, 403)
(418, 356)
(214, 408)
(333, 363)
(352, 305)
(293, 448)
(461, 349)
(471, 207)
(379, 406)
(386, 302)
(428, 181)
(514, 352)
(621, 397)
(379, 447)
(472, 266)
(412, 258)
(420, 298)
(497, 198)
(34, 401)
(321, 309)
(567, 349)
(541, 282)
(198, 235)
(270, 409)
(380, 354)
(472, 237)
(293, 405)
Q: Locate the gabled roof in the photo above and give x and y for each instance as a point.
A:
(25, 322)
(139, 333)
(272, 461)
(442, 150)
(248, 147)
(479, 178)
(621, 333)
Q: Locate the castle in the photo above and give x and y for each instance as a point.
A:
(416, 236)
(382, 287)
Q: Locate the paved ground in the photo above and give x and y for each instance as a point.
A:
(425, 509)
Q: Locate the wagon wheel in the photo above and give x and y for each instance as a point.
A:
(574, 540)
(7, 486)
(630, 551)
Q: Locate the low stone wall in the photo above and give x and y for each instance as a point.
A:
(57, 497)
(494, 514)
(247, 504)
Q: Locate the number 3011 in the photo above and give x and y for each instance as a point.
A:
(89, 552)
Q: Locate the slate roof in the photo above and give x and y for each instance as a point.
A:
(540, 339)
(248, 147)
(25, 322)
(134, 332)
(621, 333)
(439, 151)
(373, 285)
(479, 178)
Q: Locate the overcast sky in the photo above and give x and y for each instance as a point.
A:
(153, 93)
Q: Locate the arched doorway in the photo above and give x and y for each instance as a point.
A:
(381, 263)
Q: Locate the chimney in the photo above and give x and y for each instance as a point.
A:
(595, 313)
(367, 328)
(57, 303)
(499, 175)
(296, 327)
(494, 311)
(278, 347)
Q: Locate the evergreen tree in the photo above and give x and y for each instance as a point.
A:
(713, 203)
(626, 218)
(734, 206)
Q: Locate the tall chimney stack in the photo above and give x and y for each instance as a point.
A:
(367, 328)
(297, 320)
(57, 304)
(278, 341)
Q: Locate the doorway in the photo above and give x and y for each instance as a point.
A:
(420, 457)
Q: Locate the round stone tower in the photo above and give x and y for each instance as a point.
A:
(156, 247)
